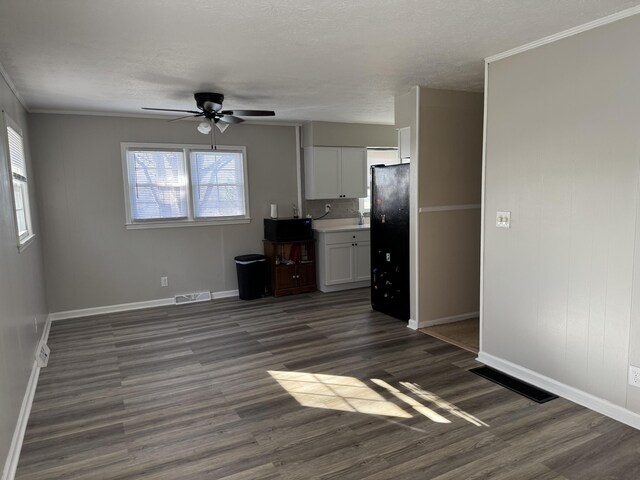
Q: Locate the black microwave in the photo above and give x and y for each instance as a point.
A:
(287, 229)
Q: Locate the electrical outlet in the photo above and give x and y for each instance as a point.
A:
(503, 219)
(42, 355)
(327, 207)
(634, 376)
(164, 282)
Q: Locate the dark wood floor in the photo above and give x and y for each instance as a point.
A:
(305, 387)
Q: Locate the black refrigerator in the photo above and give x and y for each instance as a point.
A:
(390, 240)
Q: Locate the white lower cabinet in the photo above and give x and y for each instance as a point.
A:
(344, 260)
(362, 262)
(338, 260)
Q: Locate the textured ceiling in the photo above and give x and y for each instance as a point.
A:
(330, 60)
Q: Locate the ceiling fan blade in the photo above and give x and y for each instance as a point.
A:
(249, 113)
(230, 119)
(187, 116)
(170, 110)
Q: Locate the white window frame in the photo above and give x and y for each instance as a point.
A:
(361, 207)
(25, 239)
(191, 220)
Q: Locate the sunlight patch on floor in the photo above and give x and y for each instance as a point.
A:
(336, 392)
(443, 404)
(416, 405)
(348, 394)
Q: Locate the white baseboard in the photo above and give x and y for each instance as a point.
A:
(344, 286)
(224, 294)
(11, 463)
(413, 325)
(452, 319)
(580, 397)
(123, 307)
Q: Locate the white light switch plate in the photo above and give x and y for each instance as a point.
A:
(634, 376)
(503, 219)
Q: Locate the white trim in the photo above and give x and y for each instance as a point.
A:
(224, 294)
(186, 223)
(447, 208)
(124, 307)
(566, 33)
(483, 196)
(413, 325)
(26, 242)
(191, 220)
(451, 319)
(12, 87)
(575, 395)
(299, 170)
(414, 199)
(21, 242)
(11, 463)
(343, 286)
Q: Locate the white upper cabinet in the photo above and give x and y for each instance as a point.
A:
(335, 172)
(354, 172)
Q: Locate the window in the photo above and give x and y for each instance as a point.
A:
(177, 185)
(18, 164)
(218, 184)
(376, 156)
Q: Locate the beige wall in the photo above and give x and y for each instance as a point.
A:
(333, 134)
(22, 295)
(561, 287)
(450, 176)
(92, 260)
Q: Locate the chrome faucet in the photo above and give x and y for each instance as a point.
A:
(360, 218)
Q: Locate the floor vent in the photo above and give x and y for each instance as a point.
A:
(193, 297)
(525, 389)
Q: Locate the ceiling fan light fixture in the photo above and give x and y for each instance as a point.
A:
(204, 127)
(222, 126)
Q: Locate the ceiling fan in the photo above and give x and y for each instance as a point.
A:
(209, 106)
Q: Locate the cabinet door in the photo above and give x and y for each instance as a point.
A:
(306, 273)
(362, 260)
(339, 263)
(353, 172)
(322, 172)
(285, 277)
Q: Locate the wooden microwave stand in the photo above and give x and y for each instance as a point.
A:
(291, 278)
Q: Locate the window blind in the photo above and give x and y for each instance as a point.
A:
(218, 183)
(157, 184)
(16, 154)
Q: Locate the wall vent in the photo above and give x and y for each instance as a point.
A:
(193, 297)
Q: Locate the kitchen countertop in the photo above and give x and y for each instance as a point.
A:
(341, 228)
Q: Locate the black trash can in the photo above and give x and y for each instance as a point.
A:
(252, 275)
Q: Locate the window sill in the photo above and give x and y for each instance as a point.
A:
(22, 246)
(187, 223)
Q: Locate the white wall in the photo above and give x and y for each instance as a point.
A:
(562, 154)
(92, 260)
(21, 286)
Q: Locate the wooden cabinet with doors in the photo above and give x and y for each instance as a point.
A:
(292, 265)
